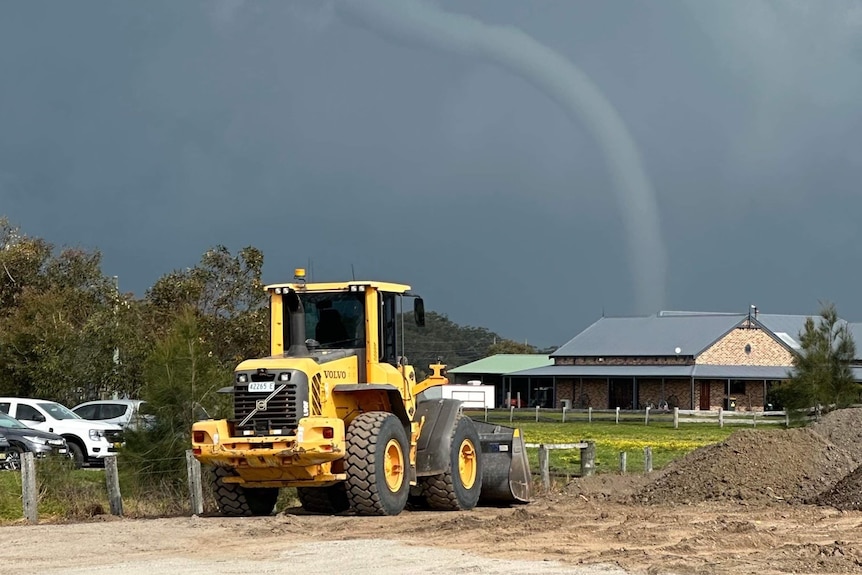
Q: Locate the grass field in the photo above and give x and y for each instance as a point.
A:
(611, 439)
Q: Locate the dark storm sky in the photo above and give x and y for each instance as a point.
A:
(154, 130)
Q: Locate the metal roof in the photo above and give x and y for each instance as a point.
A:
(742, 371)
(657, 335)
(786, 327)
(504, 363)
(606, 371)
(755, 372)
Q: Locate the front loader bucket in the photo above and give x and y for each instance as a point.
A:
(506, 471)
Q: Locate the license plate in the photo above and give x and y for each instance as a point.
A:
(2, 456)
(261, 386)
(61, 451)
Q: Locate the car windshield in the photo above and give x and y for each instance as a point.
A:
(58, 411)
(7, 422)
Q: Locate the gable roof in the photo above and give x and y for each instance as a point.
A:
(786, 327)
(504, 363)
(656, 335)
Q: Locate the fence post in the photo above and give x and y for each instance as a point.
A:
(519, 400)
(618, 415)
(647, 459)
(786, 418)
(112, 479)
(588, 459)
(537, 414)
(545, 467)
(590, 414)
(676, 418)
(29, 493)
(646, 418)
(720, 417)
(623, 458)
(486, 414)
(196, 495)
(754, 419)
(511, 413)
(564, 414)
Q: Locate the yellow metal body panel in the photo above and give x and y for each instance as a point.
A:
(342, 286)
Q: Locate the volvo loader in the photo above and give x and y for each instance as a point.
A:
(336, 411)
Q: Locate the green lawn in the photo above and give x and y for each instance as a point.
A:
(665, 442)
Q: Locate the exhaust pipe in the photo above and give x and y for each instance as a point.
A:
(296, 315)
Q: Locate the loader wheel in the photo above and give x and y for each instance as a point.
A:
(234, 500)
(377, 480)
(460, 486)
(327, 500)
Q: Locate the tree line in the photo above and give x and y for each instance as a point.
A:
(68, 334)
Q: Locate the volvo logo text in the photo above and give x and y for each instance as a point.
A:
(334, 374)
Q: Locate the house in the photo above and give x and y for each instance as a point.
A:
(493, 370)
(691, 360)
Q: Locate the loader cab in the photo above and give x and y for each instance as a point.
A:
(351, 316)
(333, 320)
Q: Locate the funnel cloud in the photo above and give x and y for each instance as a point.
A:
(416, 23)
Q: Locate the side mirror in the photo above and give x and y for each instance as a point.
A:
(419, 311)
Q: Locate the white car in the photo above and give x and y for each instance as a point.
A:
(127, 413)
(88, 441)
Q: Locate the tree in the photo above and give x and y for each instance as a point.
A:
(182, 378)
(226, 294)
(822, 373)
(508, 346)
(61, 321)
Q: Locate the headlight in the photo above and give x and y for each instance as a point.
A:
(35, 439)
(96, 434)
(57, 442)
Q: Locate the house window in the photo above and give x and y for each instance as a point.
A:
(737, 387)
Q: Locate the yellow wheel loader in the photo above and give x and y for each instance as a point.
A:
(336, 412)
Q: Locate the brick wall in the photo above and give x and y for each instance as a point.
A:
(731, 350)
(565, 390)
(749, 400)
(596, 390)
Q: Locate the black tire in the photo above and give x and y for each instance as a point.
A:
(377, 464)
(234, 500)
(460, 486)
(13, 458)
(76, 454)
(329, 500)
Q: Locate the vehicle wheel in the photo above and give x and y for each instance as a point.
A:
(327, 500)
(234, 500)
(377, 480)
(460, 486)
(76, 454)
(13, 458)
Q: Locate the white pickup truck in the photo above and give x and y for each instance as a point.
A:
(88, 441)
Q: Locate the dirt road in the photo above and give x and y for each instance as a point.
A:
(557, 534)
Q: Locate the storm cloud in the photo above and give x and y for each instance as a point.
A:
(153, 132)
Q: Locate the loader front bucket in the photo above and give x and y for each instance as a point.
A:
(506, 471)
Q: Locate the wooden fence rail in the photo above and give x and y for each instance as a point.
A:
(645, 416)
(588, 458)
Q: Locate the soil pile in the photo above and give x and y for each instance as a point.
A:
(817, 464)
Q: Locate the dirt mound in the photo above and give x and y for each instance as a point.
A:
(810, 465)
